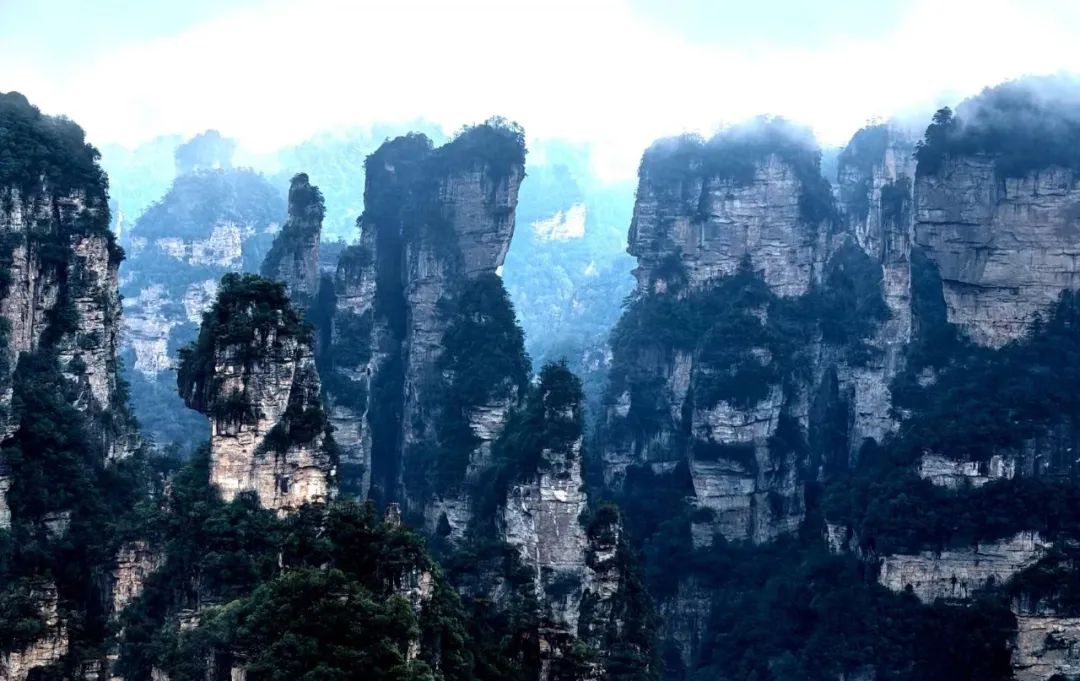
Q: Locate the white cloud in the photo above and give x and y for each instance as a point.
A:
(588, 70)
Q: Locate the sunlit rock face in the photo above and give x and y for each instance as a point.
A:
(252, 371)
(47, 650)
(210, 222)
(957, 574)
(1006, 247)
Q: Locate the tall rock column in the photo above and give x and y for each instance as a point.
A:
(63, 415)
(252, 371)
(876, 176)
(436, 227)
(294, 257)
(581, 573)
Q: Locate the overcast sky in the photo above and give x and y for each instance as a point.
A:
(614, 73)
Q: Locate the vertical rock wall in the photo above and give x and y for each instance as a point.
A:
(1006, 247)
(294, 257)
(252, 371)
(434, 220)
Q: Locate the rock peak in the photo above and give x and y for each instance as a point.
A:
(252, 371)
(294, 257)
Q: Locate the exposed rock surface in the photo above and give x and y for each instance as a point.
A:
(347, 373)
(959, 573)
(252, 371)
(83, 280)
(696, 224)
(543, 520)
(875, 180)
(1005, 247)
(710, 223)
(48, 650)
(294, 257)
(1045, 647)
(60, 314)
(946, 472)
(135, 561)
(434, 220)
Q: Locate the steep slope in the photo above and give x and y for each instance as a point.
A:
(294, 256)
(436, 226)
(875, 401)
(69, 454)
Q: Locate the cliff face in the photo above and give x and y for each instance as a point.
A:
(67, 432)
(771, 319)
(960, 574)
(252, 371)
(707, 223)
(1005, 247)
(47, 650)
(294, 257)
(436, 221)
(875, 180)
(209, 223)
(730, 236)
(542, 511)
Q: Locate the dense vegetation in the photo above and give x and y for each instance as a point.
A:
(199, 201)
(39, 151)
(249, 314)
(792, 611)
(336, 162)
(67, 501)
(746, 340)
(1024, 125)
(497, 143)
(67, 505)
(983, 402)
(323, 593)
(483, 361)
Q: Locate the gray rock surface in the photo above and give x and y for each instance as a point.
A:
(1006, 248)
(958, 573)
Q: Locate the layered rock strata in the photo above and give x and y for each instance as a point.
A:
(252, 371)
(957, 574)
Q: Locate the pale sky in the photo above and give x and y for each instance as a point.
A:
(613, 73)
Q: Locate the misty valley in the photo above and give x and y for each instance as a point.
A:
(402, 405)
